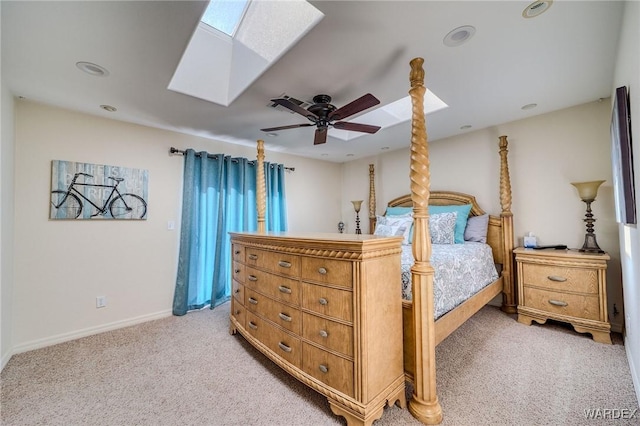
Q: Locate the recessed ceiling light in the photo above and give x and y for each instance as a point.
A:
(465, 127)
(529, 106)
(384, 148)
(536, 8)
(349, 155)
(92, 69)
(459, 35)
(272, 134)
(108, 108)
(324, 155)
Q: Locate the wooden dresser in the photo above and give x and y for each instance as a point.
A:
(564, 285)
(327, 308)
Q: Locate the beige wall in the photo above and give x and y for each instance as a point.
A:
(627, 73)
(61, 266)
(546, 153)
(6, 225)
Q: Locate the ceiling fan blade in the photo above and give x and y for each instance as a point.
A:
(321, 136)
(360, 104)
(293, 126)
(295, 108)
(356, 127)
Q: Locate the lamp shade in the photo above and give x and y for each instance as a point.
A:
(356, 205)
(588, 190)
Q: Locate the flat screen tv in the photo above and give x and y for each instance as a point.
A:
(622, 159)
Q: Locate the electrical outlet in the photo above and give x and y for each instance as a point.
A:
(101, 301)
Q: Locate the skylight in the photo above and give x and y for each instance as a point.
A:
(391, 114)
(249, 36)
(225, 15)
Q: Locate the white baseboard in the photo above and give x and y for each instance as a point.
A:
(65, 337)
(634, 372)
(5, 359)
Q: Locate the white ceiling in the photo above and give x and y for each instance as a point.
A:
(561, 58)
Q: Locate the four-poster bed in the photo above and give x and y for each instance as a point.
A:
(277, 277)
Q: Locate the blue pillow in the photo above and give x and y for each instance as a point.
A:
(461, 221)
(398, 211)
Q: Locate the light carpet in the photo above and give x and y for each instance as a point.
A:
(190, 371)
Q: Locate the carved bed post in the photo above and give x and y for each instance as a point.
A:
(424, 403)
(261, 189)
(508, 295)
(372, 200)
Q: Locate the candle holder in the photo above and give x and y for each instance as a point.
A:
(587, 192)
(356, 206)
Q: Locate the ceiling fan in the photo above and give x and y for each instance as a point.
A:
(323, 115)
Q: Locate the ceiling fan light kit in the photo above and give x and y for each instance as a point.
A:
(323, 115)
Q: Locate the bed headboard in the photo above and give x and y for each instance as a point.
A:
(444, 198)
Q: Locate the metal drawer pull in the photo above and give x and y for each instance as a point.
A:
(253, 301)
(323, 333)
(252, 325)
(322, 271)
(253, 256)
(237, 271)
(237, 290)
(237, 311)
(237, 252)
(284, 264)
(252, 278)
(284, 317)
(323, 301)
(323, 368)
(284, 289)
(284, 347)
(558, 302)
(557, 278)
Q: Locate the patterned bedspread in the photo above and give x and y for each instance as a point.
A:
(461, 270)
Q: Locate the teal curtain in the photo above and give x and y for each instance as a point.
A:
(219, 196)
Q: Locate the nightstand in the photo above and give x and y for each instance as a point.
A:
(564, 285)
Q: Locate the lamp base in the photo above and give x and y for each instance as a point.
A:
(590, 244)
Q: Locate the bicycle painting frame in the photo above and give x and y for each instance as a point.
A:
(95, 191)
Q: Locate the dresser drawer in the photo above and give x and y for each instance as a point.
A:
(573, 305)
(237, 252)
(283, 315)
(275, 286)
(238, 272)
(328, 271)
(330, 334)
(280, 263)
(328, 301)
(330, 369)
(237, 290)
(579, 280)
(238, 312)
(282, 343)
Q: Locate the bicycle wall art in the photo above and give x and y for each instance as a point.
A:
(96, 191)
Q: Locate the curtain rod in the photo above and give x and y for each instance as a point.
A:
(173, 150)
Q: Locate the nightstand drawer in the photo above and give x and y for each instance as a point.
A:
(559, 278)
(573, 305)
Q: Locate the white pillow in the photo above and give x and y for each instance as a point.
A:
(394, 226)
(442, 227)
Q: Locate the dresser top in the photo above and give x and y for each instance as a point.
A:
(318, 240)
